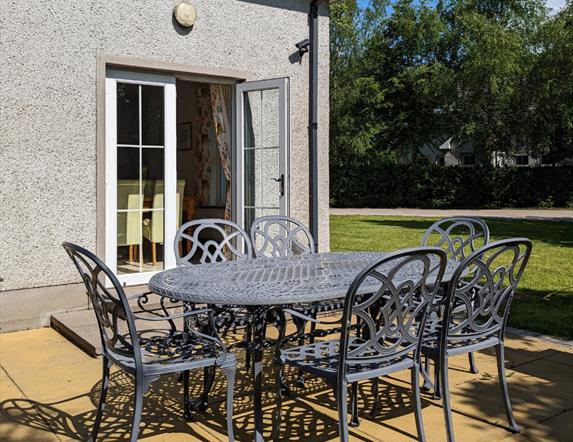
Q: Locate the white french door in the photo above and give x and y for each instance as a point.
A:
(140, 174)
(262, 143)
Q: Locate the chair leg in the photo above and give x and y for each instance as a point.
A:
(473, 366)
(500, 352)
(248, 354)
(342, 399)
(230, 374)
(354, 421)
(374, 410)
(417, 401)
(130, 253)
(447, 406)
(277, 421)
(186, 402)
(153, 254)
(300, 328)
(102, 397)
(137, 407)
(427, 386)
(437, 383)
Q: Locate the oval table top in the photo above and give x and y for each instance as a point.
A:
(272, 281)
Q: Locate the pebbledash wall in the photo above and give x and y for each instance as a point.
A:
(52, 61)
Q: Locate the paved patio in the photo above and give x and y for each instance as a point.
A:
(49, 388)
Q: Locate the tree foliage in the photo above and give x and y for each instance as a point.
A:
(406, 73)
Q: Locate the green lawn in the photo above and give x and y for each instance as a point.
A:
(544, 302)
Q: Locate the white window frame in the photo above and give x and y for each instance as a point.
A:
(466, 155)
(282, 84)
(521, 155)
(170, 164)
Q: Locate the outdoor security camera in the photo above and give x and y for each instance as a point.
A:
(302, 46)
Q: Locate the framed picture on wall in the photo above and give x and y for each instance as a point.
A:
(184, 136)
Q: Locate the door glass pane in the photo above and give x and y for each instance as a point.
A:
(262, 169)
(270, 118)
(127, 113)
(128, 178)
(152, 110)
(128, 241)
(140, 174)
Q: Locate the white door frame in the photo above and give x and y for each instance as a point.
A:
(282, 84)
(170, 172)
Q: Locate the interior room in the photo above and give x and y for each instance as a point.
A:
(203, 171)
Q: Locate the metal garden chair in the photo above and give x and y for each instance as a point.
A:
(216, 240)
(277, 236)
(212, 240)
(477, 306)
(459, 237)
(391, 299)
(156, 348)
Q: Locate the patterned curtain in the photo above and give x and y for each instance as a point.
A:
(203, 152)
(221, 109)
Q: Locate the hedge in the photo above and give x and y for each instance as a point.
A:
(371, 183)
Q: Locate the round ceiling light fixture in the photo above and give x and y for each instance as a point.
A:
(185, 13)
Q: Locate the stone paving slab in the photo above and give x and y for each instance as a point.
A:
(533, 214)
(49, 389)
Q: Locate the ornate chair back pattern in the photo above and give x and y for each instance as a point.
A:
(114, 317)
(458, 236)
(212, 240)
(392, 315)
(478, 299)
(280, 236)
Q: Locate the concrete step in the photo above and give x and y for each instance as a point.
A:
(80, 328)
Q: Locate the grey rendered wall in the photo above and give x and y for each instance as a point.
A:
(48, 107)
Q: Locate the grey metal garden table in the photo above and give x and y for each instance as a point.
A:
(265, 283)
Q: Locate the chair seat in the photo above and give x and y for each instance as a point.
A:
(322, 359)
(163, 351)
(314, 308)
(431, 343)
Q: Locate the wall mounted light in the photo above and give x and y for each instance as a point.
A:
(185, 13)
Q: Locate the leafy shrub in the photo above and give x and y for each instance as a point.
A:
(373, 182)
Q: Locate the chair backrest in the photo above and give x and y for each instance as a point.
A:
(479, 296)
(277, 236)
(458, 236)
(114, 317)
(391, 300)
(212, 240)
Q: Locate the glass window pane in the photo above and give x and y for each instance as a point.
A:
(153, 237)
(250, 170)
(152, 108)
(253, 118)
(128, 178)
(127, 113)
(269, 189)
(152, 170)
(128, 241)
(270, 118)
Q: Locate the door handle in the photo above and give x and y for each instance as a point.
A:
(281, 181)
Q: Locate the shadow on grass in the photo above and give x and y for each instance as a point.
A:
(535, 310)
(552, 232)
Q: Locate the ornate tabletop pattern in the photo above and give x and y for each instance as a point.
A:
(271, 281)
